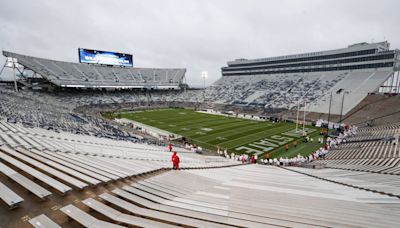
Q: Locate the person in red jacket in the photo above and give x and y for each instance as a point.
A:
(170, 147)
(175, 161)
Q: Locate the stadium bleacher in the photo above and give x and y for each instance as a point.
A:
(288, 90)
(43, 221)
(42, 110)
(9, 197)
(216, 198)
(308, 78)
(64, 162)
(374, 149)
(80, 75)
(356, 87)
(278, 91)
(373, 182)
(227, 193)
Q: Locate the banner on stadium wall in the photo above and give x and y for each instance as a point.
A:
(105, 57)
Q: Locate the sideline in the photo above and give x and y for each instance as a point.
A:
(156, 132)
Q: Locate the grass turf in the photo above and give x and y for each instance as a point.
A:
(235, 134)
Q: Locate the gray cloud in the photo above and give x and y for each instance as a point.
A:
(197, 35)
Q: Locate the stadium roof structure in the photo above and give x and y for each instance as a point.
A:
(358, 49)
(80, 75)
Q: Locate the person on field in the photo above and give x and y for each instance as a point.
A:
(170, 147)
(287, 147)
(295, 143)
(175, 161)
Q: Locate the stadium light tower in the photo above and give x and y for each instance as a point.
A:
(204, 75)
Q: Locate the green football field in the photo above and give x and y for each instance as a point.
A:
(235, 134)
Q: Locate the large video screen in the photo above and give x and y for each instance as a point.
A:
(105, 57)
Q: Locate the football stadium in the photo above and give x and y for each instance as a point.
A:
(306, 139)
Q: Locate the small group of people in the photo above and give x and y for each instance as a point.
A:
(194, 148)
(191, 146)
(221, 152)
(224, 153)
(244, 158)
(284, 161)
(306, 139)
(318, 154)
(295, 143)
(248, 159)
(298, 160)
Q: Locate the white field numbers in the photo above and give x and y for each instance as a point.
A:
(267, 144)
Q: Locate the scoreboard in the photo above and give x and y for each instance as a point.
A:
(105, 57)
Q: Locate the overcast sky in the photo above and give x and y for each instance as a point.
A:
(200, 35)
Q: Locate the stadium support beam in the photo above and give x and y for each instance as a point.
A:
(4, 66)
(15, 80)
(14, 67)
(392, 84)
(329, 112)
(395, 85)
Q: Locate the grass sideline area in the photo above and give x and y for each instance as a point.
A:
(235, 134)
